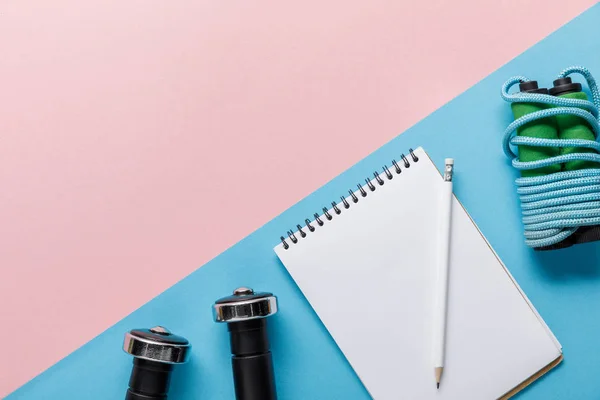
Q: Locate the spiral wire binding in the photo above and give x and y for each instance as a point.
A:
(554, 206)
(336, 209)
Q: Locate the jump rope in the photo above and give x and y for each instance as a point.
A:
(555, 132)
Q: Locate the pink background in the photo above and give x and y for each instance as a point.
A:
(141, 138)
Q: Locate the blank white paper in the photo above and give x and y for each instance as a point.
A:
(379, 256)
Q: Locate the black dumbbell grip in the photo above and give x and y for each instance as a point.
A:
(149, 380)
(253, 377)
(252, 363)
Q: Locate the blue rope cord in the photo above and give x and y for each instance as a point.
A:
(554, 206)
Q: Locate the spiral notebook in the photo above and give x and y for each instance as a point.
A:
(367, 266)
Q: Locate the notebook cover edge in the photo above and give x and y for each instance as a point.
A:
(554, 363)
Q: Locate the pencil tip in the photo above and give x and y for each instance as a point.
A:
(438, 375)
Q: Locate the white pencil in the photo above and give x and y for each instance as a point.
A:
(443, 261)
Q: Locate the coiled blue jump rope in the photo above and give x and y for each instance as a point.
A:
(554, 206)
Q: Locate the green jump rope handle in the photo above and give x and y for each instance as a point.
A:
(543, 128)
(572, 126)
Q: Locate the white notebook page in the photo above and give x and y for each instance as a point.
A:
(370, 276)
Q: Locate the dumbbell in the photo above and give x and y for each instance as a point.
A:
(245, 313)
(155, 353)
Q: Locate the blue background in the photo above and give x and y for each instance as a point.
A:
(564, 285)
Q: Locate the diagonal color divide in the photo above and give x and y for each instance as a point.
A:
(141, 140)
